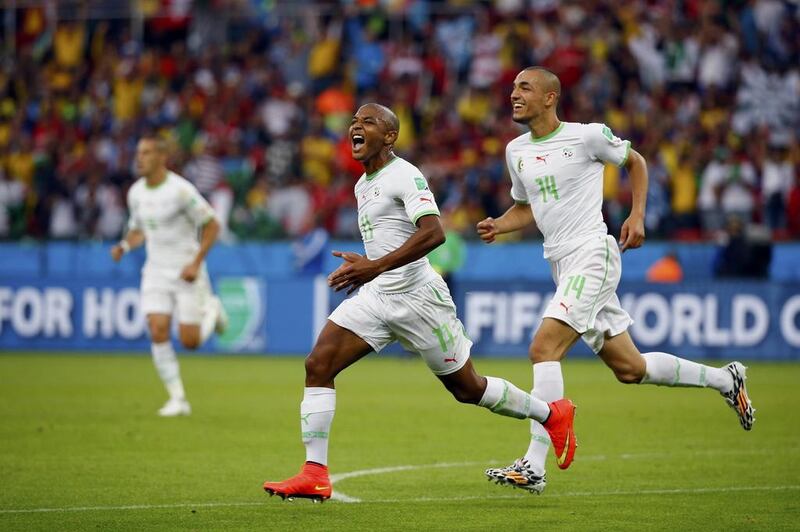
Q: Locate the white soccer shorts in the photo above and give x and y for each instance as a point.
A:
(164, 294)
(424, 321)
(586, 286)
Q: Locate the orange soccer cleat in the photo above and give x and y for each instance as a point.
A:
(311, 483)
(562, 434)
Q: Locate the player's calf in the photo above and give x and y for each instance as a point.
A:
(465, 385)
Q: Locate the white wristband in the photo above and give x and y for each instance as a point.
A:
(125, 246)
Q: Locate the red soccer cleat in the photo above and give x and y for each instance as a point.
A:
(562, 435)
(311, 483)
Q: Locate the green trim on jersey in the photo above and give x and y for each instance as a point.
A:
(600, 290)
(627, 152)
(421, 214)
(147, 185)
(370, 177)
(521, 202)
(550, 135)
(438, 295)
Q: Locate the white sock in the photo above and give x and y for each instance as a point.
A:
(210, 315)
(316, 417)
(664, 369)
(167, 366)
(502, 397)
(548, 386)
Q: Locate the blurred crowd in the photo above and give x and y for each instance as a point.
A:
(256, 98)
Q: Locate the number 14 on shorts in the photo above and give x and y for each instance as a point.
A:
(445, 337)
(575, 283)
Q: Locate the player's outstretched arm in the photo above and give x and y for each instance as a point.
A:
(359, 270)
(133, 239)
(516, 217)
(207, 238)
(632, 233)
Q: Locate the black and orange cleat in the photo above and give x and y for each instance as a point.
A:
(518, 475)
(311, 483)
(737, 398)
(562, 434)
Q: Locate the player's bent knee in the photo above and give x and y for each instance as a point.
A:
(159, 334)
(540, 352)
(318, 369)
(190, 337)
(191, 342)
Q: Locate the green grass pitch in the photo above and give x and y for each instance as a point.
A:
(82, 449)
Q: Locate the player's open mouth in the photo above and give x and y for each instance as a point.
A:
(358, 141)
(517, 106)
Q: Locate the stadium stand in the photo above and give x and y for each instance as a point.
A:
(256, 105)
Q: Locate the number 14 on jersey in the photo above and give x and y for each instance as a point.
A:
(547, 185)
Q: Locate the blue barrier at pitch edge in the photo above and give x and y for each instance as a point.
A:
(511, 261)
(748, 320)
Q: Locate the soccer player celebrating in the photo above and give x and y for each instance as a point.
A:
(557, 180)
(400, 298)
(166, 212)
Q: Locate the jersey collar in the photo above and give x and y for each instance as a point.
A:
(370, 177)
(550, 135)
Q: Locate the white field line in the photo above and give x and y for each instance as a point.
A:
(677, 491)
(128, 507)
(341, 497)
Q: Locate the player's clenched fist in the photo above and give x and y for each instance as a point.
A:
(487, 230)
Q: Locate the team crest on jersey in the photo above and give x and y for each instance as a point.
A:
(519, 165)
(376, 192)
(567, 153)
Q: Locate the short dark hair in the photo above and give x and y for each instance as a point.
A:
(552, 83)
(161, 143)
(388, 116)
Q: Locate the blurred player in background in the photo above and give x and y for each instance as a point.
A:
(400, 298)
(166, 212)
(557, 181)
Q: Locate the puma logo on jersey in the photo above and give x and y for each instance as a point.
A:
(429, 200)
(451, 359)
(542, 158)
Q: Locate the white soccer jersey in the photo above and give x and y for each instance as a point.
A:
(561, 176)
(390, 201)
(170, 215)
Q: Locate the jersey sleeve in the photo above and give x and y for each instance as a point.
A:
(417, 197)
(134, 222)
(195, 205)
(603, 145)
(517, 188)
